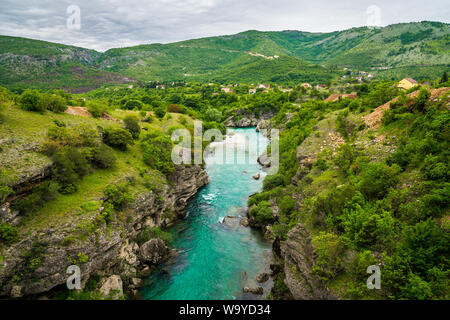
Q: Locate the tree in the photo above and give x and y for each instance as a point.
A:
(31, 100)
(132, 125)
(444, 78)
(96, 109)
(422, 100)
(54, 103)
(213, 115)
(102, 157)
(160, 112)
(157, 149)
(133, 104)
(117, 138)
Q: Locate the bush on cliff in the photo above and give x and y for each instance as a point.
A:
(156, 152)
(272, 181)
(117, 138)
(8, 233)
(152, 233)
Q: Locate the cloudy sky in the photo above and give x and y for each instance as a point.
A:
(103, 24)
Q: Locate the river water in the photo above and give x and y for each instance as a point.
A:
(217, 260)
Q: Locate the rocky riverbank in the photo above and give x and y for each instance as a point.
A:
(37, 263)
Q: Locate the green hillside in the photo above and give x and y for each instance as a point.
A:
(410, 49)
(33, 63)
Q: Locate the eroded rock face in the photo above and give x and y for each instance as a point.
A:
(106, 249)
(256, 290)
(262, 277)
(153, 251)
(298, 255)
(244, 222)
(242, 119)
(112, 287)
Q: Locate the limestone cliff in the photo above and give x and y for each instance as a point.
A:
(38, 262)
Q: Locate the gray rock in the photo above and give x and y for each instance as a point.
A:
(16, 292)
(264, 160)
(256, 176)
(112, 287)
(244, 222)
(231, 221)
(257, 290)
(136, 282)
(153, 251)
(262, 277)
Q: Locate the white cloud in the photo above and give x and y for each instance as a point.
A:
(115, 23)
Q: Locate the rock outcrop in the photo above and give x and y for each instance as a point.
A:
(153, 251)
(243, 119)
(112, 287)
(297, 253)
(256, 290)
(38, 262)
(264, 160)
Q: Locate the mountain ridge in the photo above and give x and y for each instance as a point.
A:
(255, 54)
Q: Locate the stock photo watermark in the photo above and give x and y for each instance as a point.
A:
(373, 16)
(74, 280)
(73, 21)
(374, 281)
(222, 150)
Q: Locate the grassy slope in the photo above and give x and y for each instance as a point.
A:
(23, 129)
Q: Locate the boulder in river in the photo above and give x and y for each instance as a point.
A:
(231, 221)
(256, 290)
(264, 160)
(262, 277)
(244, 222)
(256, 176)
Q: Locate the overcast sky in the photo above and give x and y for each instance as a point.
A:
(104, 24)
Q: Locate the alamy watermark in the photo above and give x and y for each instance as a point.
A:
(74, 280)
(73, 21)
(374, 281)
(373, 16)
(233, 148)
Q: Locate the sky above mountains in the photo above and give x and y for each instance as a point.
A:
(103, 24)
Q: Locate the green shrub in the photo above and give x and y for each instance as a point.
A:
(118, 195)
(96, 109)
(132, 125)
(40, 195)
(102, 157)
(153, 233)
(54, 102)
(160, 112)
(117, 138)
(31, 100)
(330, 250)
(68, 168)
(345, 156)
(421, 100)
(286, 205)
(272, 181)
(8, 233)
(133, 104)
(156, 152)
(377, 178)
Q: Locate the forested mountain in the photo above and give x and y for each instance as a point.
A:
(411, 49)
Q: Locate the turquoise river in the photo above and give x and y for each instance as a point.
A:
(216, 260)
